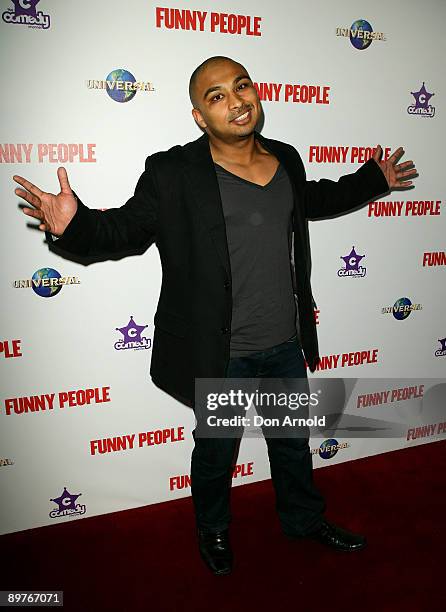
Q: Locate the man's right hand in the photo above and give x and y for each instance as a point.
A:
(53, 211)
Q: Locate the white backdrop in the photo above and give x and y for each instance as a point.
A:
(54, 345)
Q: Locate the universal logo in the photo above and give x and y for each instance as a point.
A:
(329, 448)
(401, 309)
(120, 85)
(361, 34)
(46, 282)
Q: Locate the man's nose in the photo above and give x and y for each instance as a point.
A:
(234, 100)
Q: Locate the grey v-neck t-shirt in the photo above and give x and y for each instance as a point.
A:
(259, 230)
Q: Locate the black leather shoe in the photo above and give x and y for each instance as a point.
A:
(338, 538)
(215, 550)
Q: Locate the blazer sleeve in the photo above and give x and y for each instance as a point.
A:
(115, 230)
(325, 198)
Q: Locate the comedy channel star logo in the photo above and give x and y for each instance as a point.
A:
(121, 85)
(25, 13)
(132, 338)
(361, 34)
(441, 352)
(46, 282)
(422, 108)
(401, 309)
(67, 505)
(329, 448)
(352, 267)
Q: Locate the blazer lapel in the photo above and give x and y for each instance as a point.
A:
(200, 172)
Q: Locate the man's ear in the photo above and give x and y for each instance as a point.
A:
(199, 118)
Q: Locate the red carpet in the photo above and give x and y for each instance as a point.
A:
(147, 559)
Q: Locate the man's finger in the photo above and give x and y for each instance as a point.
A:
(37, 214)
(27, 185)
(63, 181)
(377, 154)
(29, 197)
(396, 155)
(403, 173)
(405, 164)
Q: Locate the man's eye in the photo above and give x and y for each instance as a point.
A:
(242, 85)
(216, 98)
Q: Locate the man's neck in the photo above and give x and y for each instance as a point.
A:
(241, 152)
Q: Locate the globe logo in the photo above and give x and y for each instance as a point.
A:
(328, 448)
(123, 93)
(364, 26)
(45, 290)
(401, 308)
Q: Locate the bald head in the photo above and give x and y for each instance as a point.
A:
(204, 66)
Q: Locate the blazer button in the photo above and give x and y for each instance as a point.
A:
(224, 330)
(227, 285)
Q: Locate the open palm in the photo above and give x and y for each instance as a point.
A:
(53, 211)
(396, 174)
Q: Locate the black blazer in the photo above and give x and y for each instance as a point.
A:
(177, 205)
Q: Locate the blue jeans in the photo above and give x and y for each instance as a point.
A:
(299, 504)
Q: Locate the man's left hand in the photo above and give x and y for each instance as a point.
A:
(396, 174)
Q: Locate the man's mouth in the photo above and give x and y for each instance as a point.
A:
(243, 118)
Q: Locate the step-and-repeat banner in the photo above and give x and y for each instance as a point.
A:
(98, 86)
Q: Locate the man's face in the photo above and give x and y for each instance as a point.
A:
(226, 102)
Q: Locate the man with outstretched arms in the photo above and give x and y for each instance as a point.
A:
(223, 210)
